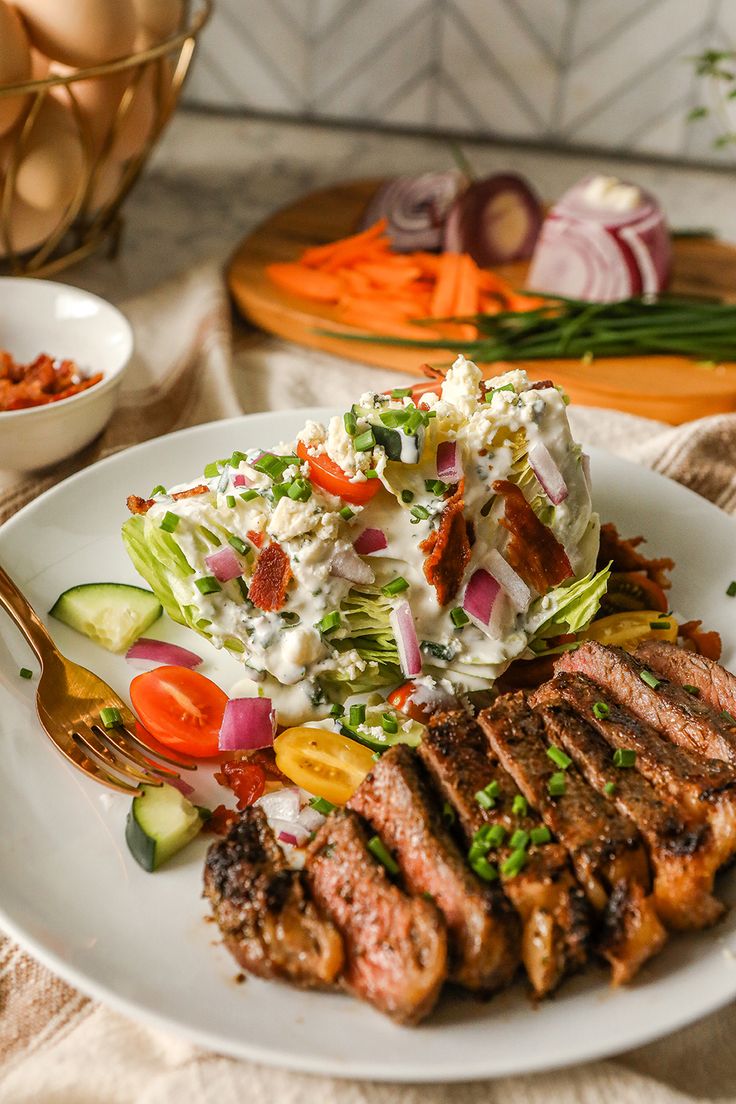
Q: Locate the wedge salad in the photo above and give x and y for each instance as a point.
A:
(437, 540)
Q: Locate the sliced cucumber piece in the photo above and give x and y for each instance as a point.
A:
(404, 447)
(112, 614)
(411, 735)
(161, 821)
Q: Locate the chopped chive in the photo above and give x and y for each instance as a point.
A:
(110, 716)
(376, 756)
(558, 757)
(407, 496)
(540, 835)
(448, 814)
(401, 393)
(322, 805)
(483, 869)
(272, 465)
(356, 715)
(649, 679)
(239, 545)
(393, 419)
(337, 710)
(492, 391)
(601, 710)
(609, 788)
(364, 442)
(280, 490)
(158, 489)
(421, 513)
(659, 625)
(207, 585)
(557, 784)
(731, 589)
(346, 513)
(478, 849)
(514, 863)
(371, 473)
(237, 459)
(396, 586)
(211, 470)
(496, 835)
(243, 588)
(459, 617)
(329, 622)
(690, 689)
(624, 757)
(519, 806)
(389, 724)
(300, 490)
(728, 716)
(378, 848)
(248, 496)
(169, 522)
(436, 486)
(25, 673)
(350, 422)
(484, 800)
(519, 840)
(230, 502)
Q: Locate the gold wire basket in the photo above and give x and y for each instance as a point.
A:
(86, 222)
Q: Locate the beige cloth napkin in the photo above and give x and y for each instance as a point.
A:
(57, 1046)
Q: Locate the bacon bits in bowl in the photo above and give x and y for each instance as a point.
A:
(63, 353)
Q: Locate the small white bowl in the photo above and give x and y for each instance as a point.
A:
(38, 316)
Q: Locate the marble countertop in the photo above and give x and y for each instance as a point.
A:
(213, 178)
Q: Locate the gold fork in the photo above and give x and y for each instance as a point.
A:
(69, 701)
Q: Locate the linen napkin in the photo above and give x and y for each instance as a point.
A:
(59, 1047)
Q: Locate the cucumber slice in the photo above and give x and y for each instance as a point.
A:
(406, 448)
(412, 735)
(161, 821)
(112, 614)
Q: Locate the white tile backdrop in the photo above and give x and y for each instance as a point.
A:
(612, 74)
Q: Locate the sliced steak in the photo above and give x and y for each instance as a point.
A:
(685, 720)
(679, 847)
(715, 686)
(395, 945)
(261, 906)
(482, 927)
(605, 847)
(552, 907)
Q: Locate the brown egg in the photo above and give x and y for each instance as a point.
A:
(15, 64)
(80, 32)
(98, 99)
(140, 118)
(29, 227)
(157, 21)
(52, 162)
(106, 186)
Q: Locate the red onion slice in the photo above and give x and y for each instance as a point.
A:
(415, 208)
(370, 540)
(480, 596)
(547, 472)
(516, 589)
(248, 724)
(347, 564)
(449, 465)
(289, 832)
(495, 220)
(284, 803)
(161, 652)
(402, 623)
(224, 565)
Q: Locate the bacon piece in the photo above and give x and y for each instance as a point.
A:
(270, 578)
(532, 549)
(625, 557)
(448, 549)
(138, 505)
(200, 489)
(255, 537)
(707, 644)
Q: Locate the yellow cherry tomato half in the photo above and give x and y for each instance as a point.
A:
(325, 763)
(628, 629)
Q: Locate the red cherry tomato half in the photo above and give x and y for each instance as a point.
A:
(330, 477)
(401, 699)
(180, 708)
(246, 780)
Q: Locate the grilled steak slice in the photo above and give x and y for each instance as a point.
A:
(482, 927)
(604, 846)
(395, 945)
(714, 684)
(685, 720)
(266, 918)
(552, 907)
(679, 847)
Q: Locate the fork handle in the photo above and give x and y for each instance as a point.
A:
(25, 617)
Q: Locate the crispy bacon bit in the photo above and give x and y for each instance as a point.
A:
(541, 385)
(707, 644)
(221, 820)
(255, 537)
(270, 578)
(245, 779)
(200, 489)
(532, 549)
(625, 557)
(265, 758)
(448, 549)
(138, 505)
(44, 381)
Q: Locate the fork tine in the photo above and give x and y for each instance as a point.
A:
(76, 756)
(114, 738)
(168, 756)
(99, 750)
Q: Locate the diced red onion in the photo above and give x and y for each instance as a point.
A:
(224, 565)
(310, 819)
(347, 564)
(402, 623)
(284, 803)
(240, 480)
(370, 540)
(588, 250)
(449, 466)
(547, 472)
(248, 723)
(161, 652)
(516, 589)
(415, 208)
(289, 831)
(480, 596)
(495, 220)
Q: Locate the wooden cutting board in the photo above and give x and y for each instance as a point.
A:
(672, 389)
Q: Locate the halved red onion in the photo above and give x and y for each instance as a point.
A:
(284, 803)
(415, 208)
(310, 819)
(449, 465)
(161, 652)
(370, 540)
(224, 565)
(516, 589)
(248, 723)
(402, 623)
(481, 595)
(591, 247)
(289, 831)
(547, 472)
(495, 220)
(347, 564)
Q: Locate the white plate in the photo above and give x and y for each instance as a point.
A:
(70, 892)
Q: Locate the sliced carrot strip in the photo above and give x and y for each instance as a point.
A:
(320, 253)
(446, 288)
(310, 283)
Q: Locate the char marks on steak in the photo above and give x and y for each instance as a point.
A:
(667, 707)
(483, 929)
(604, 846)
(552, 907)
(395, 945)
(715, 686)
(268, 923)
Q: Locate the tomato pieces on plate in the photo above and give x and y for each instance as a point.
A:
(325, 763)
(180, 708)
(630, 628)
(402, 699)
(331, 478)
